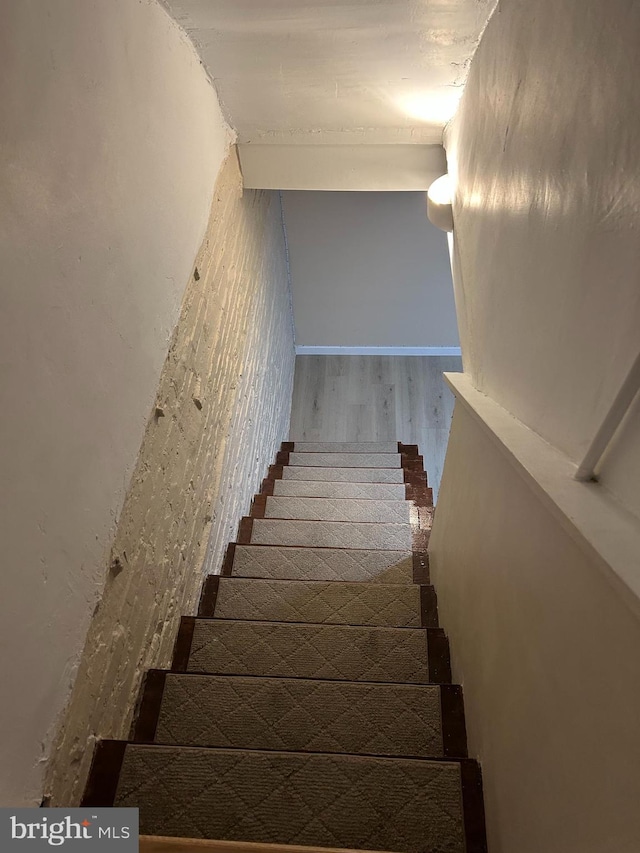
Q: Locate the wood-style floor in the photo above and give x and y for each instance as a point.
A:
(376, 398)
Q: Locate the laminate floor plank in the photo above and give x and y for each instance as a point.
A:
(376, 398)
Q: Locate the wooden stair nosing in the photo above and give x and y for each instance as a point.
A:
(167, 844)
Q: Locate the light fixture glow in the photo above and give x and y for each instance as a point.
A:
(439, 203)
(433, 107)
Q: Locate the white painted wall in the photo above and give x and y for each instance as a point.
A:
(111, 139)
(368, 269)
(547, 652)
(544, 151)
(198, 467)
(547, 252)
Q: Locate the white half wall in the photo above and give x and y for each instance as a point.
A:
(111, 139)
(544, 632)
(546, 648)
(368, 270)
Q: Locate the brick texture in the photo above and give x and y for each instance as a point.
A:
(223, 407)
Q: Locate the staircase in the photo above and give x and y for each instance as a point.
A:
(310, 701)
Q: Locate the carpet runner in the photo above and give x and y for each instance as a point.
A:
(310, 700)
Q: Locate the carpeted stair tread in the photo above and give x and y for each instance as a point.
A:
(346, 460)
(286, 650)
(334, 602)
(327, 489)
(310, 703)
(332, 534)
(301, 715)
(343, 475)
(338, 509)
(346, 446)
(333, 564)
(295, 798)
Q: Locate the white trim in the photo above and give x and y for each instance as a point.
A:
(601, 527)
(311, 350)
(297, 165)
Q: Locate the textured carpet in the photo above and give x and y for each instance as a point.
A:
(310, 651)
(332, 564)
(346, 447)
(344, 475)
(332, 534)
(333, 602)
(306, 716)
(346, 460)
(295, 798)
(299, 714)
(338, 509)
(327, 489)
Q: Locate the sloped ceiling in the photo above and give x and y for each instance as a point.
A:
(334, 72)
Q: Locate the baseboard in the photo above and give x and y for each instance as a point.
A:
(313, 350)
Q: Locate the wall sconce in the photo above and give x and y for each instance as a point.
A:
(439, 209)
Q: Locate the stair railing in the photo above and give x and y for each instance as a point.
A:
(610, 423)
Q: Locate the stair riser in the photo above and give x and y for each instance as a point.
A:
(345, 447)
(301, 715)
(331, 564)
(358, 491)
(344, 475)
(335, 652)
(338, 509)
(332, 534)
(346, 460)
(332, 602)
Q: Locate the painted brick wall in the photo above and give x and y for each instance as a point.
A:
(223, 407)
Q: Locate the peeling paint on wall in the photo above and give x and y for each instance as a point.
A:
(222, 408)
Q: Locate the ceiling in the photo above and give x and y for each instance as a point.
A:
(365, 71)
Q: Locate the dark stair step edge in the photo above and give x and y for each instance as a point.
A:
(108, 758)
(408, 449)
